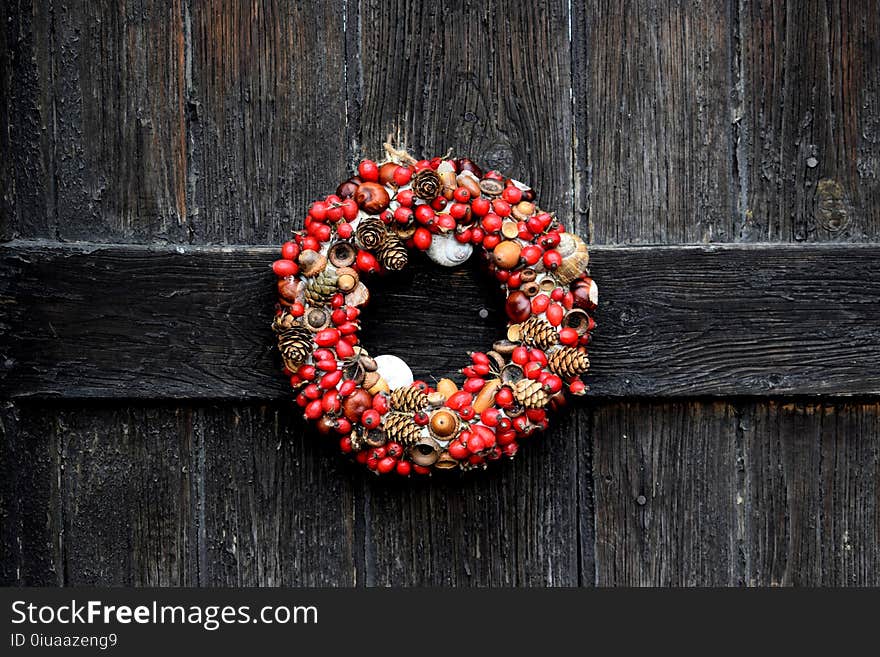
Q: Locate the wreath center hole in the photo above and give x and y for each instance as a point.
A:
(431, 316)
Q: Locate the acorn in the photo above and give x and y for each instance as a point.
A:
(443, 424)
(347, 279)
(311, 263)
(506, 254)
(372, 197)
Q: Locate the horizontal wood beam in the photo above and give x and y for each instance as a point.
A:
(147, 322)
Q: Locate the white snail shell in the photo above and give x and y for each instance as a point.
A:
(394, 370)
(447, 251)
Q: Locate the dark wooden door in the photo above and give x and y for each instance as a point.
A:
(153, 153)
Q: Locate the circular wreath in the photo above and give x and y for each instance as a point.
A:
(444, 207)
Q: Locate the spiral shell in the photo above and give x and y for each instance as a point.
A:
(447, 251)
(574, 258)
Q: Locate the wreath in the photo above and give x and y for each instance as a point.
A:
(445, 207)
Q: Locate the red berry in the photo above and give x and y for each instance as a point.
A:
(330, 401)
(554, 314)
(424, 213)
(368, 171)
(386, 465)
(457, 450)
(405, 197)
(421, 418)
(512, 194)
(462, 194)
(491, 223)
(467, 413)
(552, 259)
(475, 443)
(531, 254)
(540, 303)
(402, 175)
(404, 468)
(520, 355)
(347, 388)
(403, 214)
(344, 230)
(458, 211)
(330, 379)
(284, 268)
(422, 239)
(349, 209)
(532, 370)
(459, 399)
(318, 210)
(314, 410)
(289, 250)
(345, 444)
(327, 337)
(380, 403)
(371, 418)
(553, 384)
(504, 397)
(480, 206)
(366, 262)
(538, 356)
(491, 241)
(297, 309)
(568, 336)
(501, 207)
(344, 349)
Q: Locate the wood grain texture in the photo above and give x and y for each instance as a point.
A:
(808, 120)
(156, 323)
(489, 80)
(279, 509)
(811, 488)
(757, 494)
(651, 89)
(269, 109)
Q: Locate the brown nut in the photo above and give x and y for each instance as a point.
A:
(425, 452)
(372, 197)
(347, 279)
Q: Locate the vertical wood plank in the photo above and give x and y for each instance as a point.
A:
(811, 482)
(491, 81)
(31, 531)
(270, 105)
(651, 88)
(26, 184)
(278, 502)
(119, 101)
(666, 490)
(129, 495)
(808, 157)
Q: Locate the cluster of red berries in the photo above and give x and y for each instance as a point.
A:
(388, 420)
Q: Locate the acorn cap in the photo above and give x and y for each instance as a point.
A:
(311, 263)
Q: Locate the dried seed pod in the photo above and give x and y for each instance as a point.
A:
(317, 318)
(447, 387)
(401, 428)
(426, 184)
(568, 362)
(359, 296)
(509, 229)
(370, 233)
(381, 385)
(311, 263)
(410, 399)
(446, 462)
(548, 283)
(531, 288)
(342, 254)
(370, 379)
(295, 345)
(511, 373)
(392, 253)
(496, 358)
(375, 437)
(523, 210)
(436, 399)
(538, 332)
(530, 393)
(321, 288)
(283, 322)
(486, 397)
(528, 275)
(425, 452)
(578, 320)
(504, 347)
(405, 232)
(491, 187)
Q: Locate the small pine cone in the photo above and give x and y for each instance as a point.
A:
(283, 322)
(401, 428)
(530, 393)
(392, 253)
(295, 345)
(568, 362)
(426, 184)
(539, 333)
(321, 288)
(370, 233)
(409, 399)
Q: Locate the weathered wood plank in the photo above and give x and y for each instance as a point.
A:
(129, 478)
(279, 504)
(31, 532)
(811, 480)
(808, 121)
(270, 101)
(666, 486)
(118, 100)
(491, 81)
(651, 83)
(95, 321)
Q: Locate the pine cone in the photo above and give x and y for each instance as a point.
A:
(568, 362)
(295, 345)
(370, 233)
(392, 253)
(321, 288)
(538, 332)
(426, 184)
(409, 399)
(401, 428)
(530, 393)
